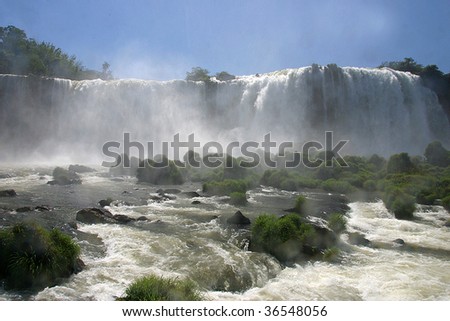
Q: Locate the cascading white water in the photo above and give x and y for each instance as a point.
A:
(378, 110)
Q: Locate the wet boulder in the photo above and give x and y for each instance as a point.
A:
(8, 193)
(238, 219)
(63, 176)
(24, 209)
(123, 219)
(43, 208)
(106, 202)
(94, 216)
(191, 194)
(356, 238)
(398, 242)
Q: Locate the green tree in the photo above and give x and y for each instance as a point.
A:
(400, 163)
(437, 155)
(198, 74)
(224, 76)
(23, 56)
(106, 73)
(407, 64)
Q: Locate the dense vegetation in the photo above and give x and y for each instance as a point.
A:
(225, 187)
(202, 74)
(21, 55)
(283, 237)
(32, 257)
(156, 288)
(401, 181)
(160, 173)
(431, 76)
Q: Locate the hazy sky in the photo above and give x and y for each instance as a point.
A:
(163, 39)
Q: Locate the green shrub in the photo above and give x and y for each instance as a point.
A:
(370, 185)
(272, 177)
(300, 204)
(32, 257)
(426, 197)
(446, 203)
(289, 185)
(377, 162)
(400, 203)
(331, 254)
(437, 155)
(400, 163)
(238, 198)
(306, 182)
(282, 237)
(165, 172)
(337, 222)
(333, 185)
(225, 187)
(156, 288)
(233, 168)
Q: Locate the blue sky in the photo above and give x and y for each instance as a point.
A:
(164, 39)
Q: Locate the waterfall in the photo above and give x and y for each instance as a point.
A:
(378, 110)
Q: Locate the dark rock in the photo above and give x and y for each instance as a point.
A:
(106, 202)
(162, 197)
(238, 219)
(191, 194)
(63, 176)
(126, 192)
(172, 191)
(447, 224)
(81, 169)
(399, 242)
(323, 239)
(196, 202)
(142, 218)
(79, 266)
(2, 176)
(160, 191)
(157, 198)
(73, 225)
(310, 250)
(356, 238)
(24, 209)
(123, 219)
(43, 208)
(100, 216)
(95, 216)
(8, 193)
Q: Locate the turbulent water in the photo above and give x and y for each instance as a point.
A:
(385, 110)
(193, 241)
(379, 110)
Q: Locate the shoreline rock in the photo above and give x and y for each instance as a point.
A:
(100, 216)
(238, 219)
(8, 193)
